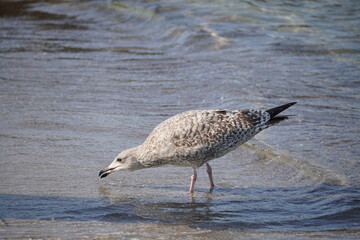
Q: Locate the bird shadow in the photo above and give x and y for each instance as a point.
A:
(224, 208)
(257, 208)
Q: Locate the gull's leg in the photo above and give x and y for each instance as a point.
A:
(193, 180)
(209, 172)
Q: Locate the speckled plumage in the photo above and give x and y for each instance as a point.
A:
(193, 138)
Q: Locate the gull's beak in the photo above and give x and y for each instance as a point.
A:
(106, 171)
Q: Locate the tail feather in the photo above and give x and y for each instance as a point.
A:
(275, 118)
(275, 111)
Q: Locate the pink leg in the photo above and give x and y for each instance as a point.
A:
(209, 172)
(193, 180)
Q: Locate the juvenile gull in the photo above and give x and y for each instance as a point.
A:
(192, 138)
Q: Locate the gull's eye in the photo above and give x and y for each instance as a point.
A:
(119, 160)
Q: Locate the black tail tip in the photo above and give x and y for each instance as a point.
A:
(285, 106)
(292, 103)
(275, 111)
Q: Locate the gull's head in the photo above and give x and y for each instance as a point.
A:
(126, 160)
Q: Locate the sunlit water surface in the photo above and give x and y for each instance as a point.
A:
(80, 81)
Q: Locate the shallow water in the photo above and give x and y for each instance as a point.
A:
(79, 82)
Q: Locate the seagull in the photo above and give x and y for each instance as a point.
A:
(193, 138)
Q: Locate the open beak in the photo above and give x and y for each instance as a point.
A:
(106, 171)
